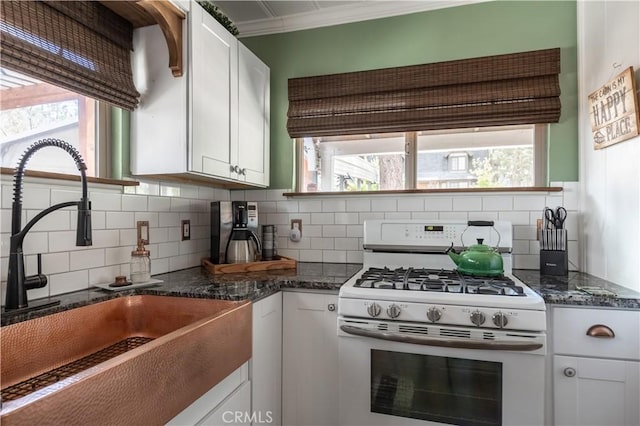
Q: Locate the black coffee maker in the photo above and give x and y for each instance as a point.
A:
(243, 245)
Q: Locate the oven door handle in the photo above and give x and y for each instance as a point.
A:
(436, 341)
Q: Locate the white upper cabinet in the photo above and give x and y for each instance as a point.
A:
(211, 122)
(253, 117)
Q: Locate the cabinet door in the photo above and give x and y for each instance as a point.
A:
(590, 391)
(266, 361)
(214, 82)
(253, 117)
(310, 359)
(235, 410)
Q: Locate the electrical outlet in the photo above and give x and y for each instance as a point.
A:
(295, 234)
(186, 230)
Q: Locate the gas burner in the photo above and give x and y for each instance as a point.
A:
(434, 280)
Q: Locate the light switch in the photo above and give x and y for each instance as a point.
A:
(186, 230)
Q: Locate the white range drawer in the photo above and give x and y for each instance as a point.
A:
(571, 325)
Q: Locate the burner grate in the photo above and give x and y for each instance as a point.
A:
(437, 280)
(50, 377)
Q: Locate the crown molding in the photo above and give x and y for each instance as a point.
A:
(361, 11)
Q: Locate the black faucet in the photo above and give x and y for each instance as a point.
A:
(17, 282)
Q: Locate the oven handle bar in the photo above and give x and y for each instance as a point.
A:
(435, 341)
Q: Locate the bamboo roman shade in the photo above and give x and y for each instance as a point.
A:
(78, 45)
(518, 88)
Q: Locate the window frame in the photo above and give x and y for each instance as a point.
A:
(540, 143)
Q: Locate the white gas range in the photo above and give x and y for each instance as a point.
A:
(441, 347)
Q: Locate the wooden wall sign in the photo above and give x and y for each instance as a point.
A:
(613, 110)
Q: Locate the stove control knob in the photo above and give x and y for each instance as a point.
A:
(434, 314)
(393, 311)
(500, 319)
(477, 318)
(374, 309)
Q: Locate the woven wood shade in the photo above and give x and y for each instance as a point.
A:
(79, 45)
(519, 88)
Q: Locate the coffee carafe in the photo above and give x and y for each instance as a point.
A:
(243, 244)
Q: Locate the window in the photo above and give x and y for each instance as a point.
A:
(32, 110)
(504, 156)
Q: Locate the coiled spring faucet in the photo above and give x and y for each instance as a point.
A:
(17, 282)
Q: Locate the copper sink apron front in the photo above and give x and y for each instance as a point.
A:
(198, 342)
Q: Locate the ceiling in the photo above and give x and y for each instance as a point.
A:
(259, 17)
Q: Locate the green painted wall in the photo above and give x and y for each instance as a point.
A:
(447, 34)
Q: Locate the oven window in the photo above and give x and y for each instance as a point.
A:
(441, 389)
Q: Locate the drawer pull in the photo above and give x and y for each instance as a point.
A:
(600, 330)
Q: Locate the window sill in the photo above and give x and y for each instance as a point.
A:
(67, 177)
(428, 191)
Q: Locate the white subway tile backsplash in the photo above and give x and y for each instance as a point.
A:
(438, 204)
(526, 261)
(336, 256)
(310, 206)
(516, 218)
(384, 205)
(189, 191)
(290, 253)
(277, 219)
(553, 201)
(346, 243)
(169, 189)
(355, 256)
(35, 198)
(151, 217)
(467, 204)
(135, 203)
(410, 204)
(236, 195)
(497, 203)
(424, 215)
(454, 216)
(160, 266)
(483, 215)
(54, 221)
(168, 219)
(105, 275)
(334, 231)
(107, 201)
(159, 204)
(103, 238)
(84, 259)
(252, 195)
(397, 215)
(334, 205)
(571, 195)
(310, 255)
(169, 249)
(521, 232)
(205, 193)
(55, 263)
(528, 202)
(355, 231)
(274, 194)
(119, 220)
(322, 243)
(117, 255)
(128, 237)
(267, 207)
(305, 217)
(63, 195)
(68, 282)
(358, 205)
(346, 218)
(322, 218)
(180, 205)
(369, 216)
(37, 242)
(311, 230)
(520, 247)
(199, 206)
(287, 206)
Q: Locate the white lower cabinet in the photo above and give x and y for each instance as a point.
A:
(266, 360)
(596, 367)
(310, 359)
(228, 402)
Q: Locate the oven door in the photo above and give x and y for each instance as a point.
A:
(402, 376)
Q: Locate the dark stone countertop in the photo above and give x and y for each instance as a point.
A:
(197, 282)
(579, 289)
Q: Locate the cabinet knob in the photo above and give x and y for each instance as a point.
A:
(331, 307)
(243, 172)
(600, 330)
(569, 372)
(236, 169)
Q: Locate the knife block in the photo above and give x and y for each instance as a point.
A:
(554, 262)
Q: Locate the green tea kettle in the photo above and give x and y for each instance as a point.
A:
(478, 259)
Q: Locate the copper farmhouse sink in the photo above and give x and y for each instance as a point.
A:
(129, 360)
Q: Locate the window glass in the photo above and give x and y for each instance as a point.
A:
(32, 110)
(354, 163)
(476, 157)
(454, 158)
